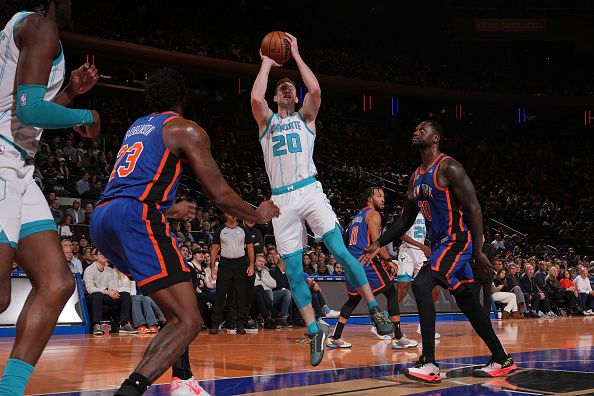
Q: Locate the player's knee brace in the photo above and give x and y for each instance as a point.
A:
(299, 289)
(353, 269)
(392, 301)
(348, 307)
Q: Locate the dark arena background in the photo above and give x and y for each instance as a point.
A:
(512, 84)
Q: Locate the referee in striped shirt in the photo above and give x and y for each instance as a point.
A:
(234, 268)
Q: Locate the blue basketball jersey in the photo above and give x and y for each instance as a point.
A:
(145, 169)
(359, 236)
(442, 211)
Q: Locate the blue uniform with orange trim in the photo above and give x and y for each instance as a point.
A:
(359, 239)
(128, 225)
(451, 242)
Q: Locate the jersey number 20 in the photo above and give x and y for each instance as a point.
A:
(291, 142)
(126, 161)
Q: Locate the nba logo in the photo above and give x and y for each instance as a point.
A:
(23, 99)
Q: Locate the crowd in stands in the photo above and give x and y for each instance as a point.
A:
(432, 57)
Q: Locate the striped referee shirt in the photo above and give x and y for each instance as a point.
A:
(231, 240)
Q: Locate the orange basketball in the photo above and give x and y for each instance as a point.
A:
(276, 47)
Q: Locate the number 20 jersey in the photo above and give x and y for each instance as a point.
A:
(441, 210)
(288, 144)
(145, 169)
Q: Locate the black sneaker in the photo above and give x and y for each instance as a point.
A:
(317, 342)
(251, 328)
(381, 323)
(269, 324)
(282, 322)
(240, 329)
(213, 331)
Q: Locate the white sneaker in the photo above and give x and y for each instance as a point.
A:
(323, 322)
(386, 337)
(541, 314)
(404, 343)
(437, 335)
(551, 314)
(424, 371)
(588, 312)
(332, 314)
(340, 343)
(189, 387)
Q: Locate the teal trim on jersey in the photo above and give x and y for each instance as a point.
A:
(295, 186)
(57, 61)
(25, 15)
(404, 278)
(37, 226)
(305, 123)
(267, 126)
(4, 239)
(16, 147)
(32, 109)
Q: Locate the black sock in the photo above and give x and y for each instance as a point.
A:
(338, 330)
(135, 385)
(181, 368)
(397, 331)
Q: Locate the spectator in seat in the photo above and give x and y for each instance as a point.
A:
(585, 292)
(204, 288)
(535, 297)
(144, 310)
(82, 186)
(307, 265)
(323, 269)
(188, 234)
(64, 226)
(510, 311)
(101, 285)
(207, 233)
(255, 237)
(74, 263)
(88, 258)
(512, 285)
(281, 294)
(265, 281)
(57, 213)
(88, 213)
(498, 243)
(338, 270)
(559, 296)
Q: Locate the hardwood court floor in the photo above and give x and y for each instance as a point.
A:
(276, 361)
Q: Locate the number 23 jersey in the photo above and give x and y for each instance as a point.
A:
(145, 169)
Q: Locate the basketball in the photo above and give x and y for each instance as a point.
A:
(276, 47)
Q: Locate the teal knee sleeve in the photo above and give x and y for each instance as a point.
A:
(299, 289)
(352, 267)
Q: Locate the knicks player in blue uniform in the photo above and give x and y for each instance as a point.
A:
(365, 227)
(130, 228)
(446, 196)
(287, 139)
(32, 71)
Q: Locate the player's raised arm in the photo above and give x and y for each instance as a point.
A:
(260, 108)
(313, 98)
(37, 40)
(464, 191)
(188, 138)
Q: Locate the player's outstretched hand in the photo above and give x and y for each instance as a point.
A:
(90, 131)
(293, 41)
(82, 80)
(482, 261)
(266, 59)
(266, 211)
(183, 210)
(370, 252)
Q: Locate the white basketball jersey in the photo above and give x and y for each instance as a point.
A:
(26, 137)
(288, 144)
(418, 232)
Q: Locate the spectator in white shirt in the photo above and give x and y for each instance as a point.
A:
(74, 263)
(585, 292)
(498, 243)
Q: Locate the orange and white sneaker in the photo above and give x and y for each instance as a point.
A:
(494, 369)
(142, 329)
(189, 387)
(153, 330)
(424, 370)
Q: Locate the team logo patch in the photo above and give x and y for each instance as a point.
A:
(23, 99)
